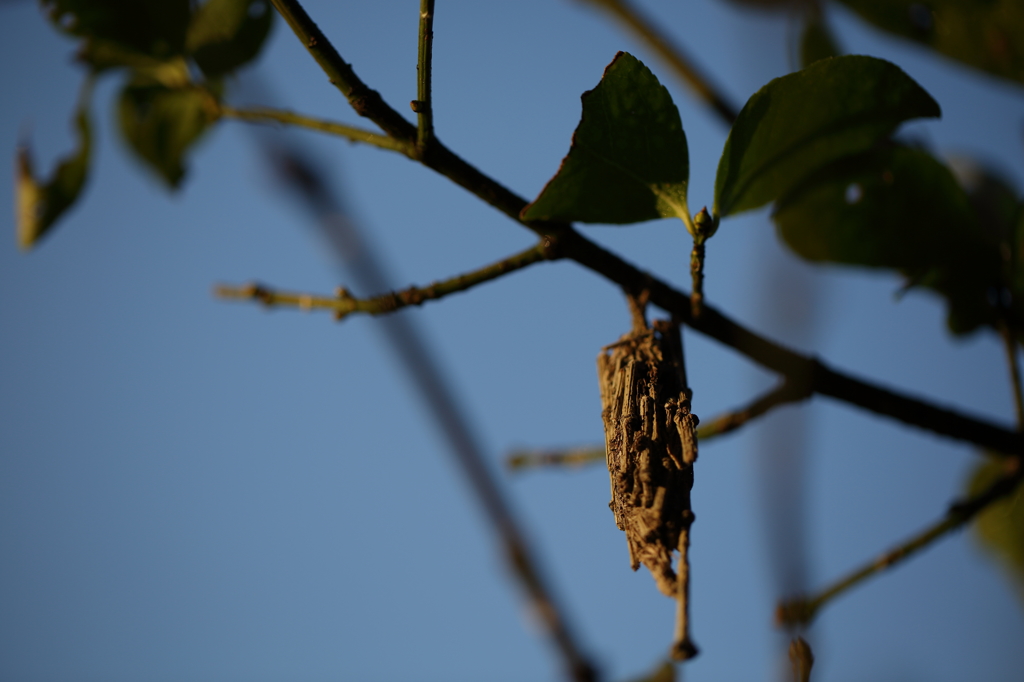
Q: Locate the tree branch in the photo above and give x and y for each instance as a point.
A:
(672, 53)
(266, 115)
(365, 101)
(344, 304)
(575, 246)
(802, 610)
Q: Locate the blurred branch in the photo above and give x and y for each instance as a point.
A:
(575, 246)
(520, 460)
(267, 115)
(648, 31)
(344, 303)
(518, 554)
(802, 610)
(424, 106)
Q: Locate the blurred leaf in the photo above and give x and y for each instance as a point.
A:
(799, 123)
(817, 41)
(986, 34)
(898, 208)
(665, 672)
(148, 27)
(161, 125)
(40, 204)
(1000, 527)
(225, 34)
(628, 161)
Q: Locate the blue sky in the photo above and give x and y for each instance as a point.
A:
(192, 489)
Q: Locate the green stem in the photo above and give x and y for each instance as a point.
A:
(424, 106)
(672, 53)
(802, 610)
(344, 304)
(265, 115)
(697, 277)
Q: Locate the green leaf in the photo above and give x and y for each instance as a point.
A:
(1000, 213)
(817, 41)
(628, 161)
(987, 35)
(149, 27)
(1000, 527)
(898, 208)
(225, 34)
(40, 204)
(799, 123)
(161, 124)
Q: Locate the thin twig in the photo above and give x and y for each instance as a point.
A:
(521, 460)
(802, 610)
(267, 115)
(575, 246)
(672, 53)
(344, 303)
(424, 106)
(787, 392)
(697, 277)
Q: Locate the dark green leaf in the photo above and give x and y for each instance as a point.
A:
(39, 204)
(225, 34)
(150, 27)
(817, 41)
(1000, 215)
(1000, 527)
(898, 208)
(628, 161)
(161, 125)
(799, 123)
(986, 34)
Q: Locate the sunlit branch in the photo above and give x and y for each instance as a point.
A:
(575, 246)
(424, 106)
(344, 303)
(787, 392)
(647, 30)
(802, 610)
(365, 101)
(266, 115)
